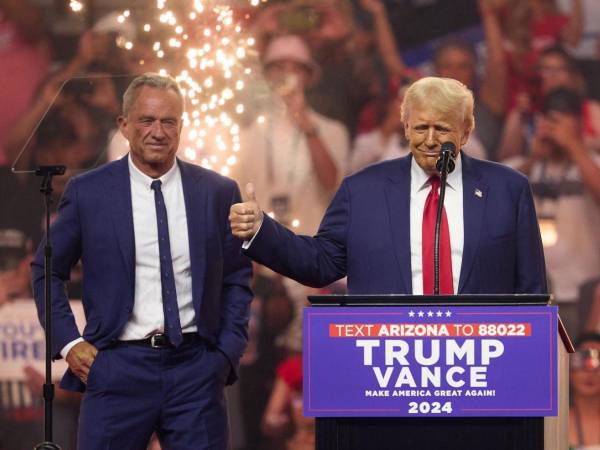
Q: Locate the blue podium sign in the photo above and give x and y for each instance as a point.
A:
(430, 361)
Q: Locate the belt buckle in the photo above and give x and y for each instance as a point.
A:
(158, 340)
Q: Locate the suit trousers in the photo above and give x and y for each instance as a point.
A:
(135, 390)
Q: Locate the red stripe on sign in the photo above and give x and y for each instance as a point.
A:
(383, 330)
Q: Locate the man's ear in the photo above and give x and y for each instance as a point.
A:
(465, 137)
(405, 125)
(122, 123)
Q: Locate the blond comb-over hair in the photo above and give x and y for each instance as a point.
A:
(445, 96)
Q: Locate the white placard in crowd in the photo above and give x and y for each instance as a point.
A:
(22, 340)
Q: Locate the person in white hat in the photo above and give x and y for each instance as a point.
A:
(294, 154)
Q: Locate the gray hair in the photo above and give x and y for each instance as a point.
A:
(152, 80)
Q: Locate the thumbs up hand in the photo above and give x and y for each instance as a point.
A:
(245, 218)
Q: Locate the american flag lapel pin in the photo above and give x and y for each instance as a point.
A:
(478, 193)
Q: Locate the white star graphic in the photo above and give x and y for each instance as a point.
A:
(411, 314)
(439, 314)
(448, 314)
(430, 314)
(421, 313)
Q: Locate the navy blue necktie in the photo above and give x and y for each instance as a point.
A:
(167, 277)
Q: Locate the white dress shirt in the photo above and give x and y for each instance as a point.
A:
(147, 317)
(453, 204)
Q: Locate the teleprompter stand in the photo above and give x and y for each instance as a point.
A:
(47, 172)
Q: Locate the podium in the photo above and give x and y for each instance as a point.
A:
(528, 409)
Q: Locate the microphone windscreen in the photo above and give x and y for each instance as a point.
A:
(449, 146)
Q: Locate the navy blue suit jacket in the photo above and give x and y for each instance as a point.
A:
(95, 225)
(365, 234)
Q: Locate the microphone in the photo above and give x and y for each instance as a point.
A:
(445, 163)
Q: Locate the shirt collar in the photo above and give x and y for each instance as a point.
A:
(420, 180)
(141, 179)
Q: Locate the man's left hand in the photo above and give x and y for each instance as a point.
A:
(80, 359)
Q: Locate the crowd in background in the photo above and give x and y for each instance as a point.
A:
(336, 71)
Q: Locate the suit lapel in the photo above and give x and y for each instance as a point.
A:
(474, 200)
(122, 215)
(397, 191)
(195, 208)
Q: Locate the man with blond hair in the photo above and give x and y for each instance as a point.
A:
(378, 230)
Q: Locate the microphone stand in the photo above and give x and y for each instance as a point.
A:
(47, 172)
(444, 165)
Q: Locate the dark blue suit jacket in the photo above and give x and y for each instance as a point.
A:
(365, 234)
(95, 225)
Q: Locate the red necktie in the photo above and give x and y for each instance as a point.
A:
(427, 238)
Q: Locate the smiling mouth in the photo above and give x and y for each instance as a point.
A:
(434, 154)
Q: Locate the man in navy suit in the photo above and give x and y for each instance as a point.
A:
(378, 228)
(165, 293)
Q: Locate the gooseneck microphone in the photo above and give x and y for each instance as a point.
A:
(444, 165)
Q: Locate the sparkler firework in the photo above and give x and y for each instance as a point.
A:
(205, 45)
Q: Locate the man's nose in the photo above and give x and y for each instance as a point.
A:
(157, 130)
(431, 138)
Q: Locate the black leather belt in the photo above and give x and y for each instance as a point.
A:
(160, 340)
